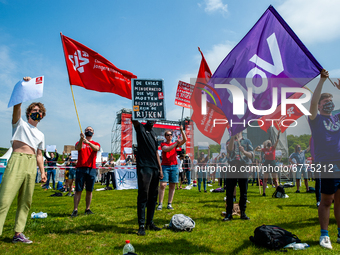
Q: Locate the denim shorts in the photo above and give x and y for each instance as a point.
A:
(72, 173)
(301, 171)
(170, 174)
(85, 175)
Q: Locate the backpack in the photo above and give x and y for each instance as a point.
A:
(59, 185)
(180, 222)
(273, 237)
(279, 192)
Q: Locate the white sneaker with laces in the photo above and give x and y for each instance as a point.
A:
(325, 242)
(159, 208)
(169, 207)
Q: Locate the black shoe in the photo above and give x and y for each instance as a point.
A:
(74, 213)
(141, 231)
(244, 216)
(205, 191)
(264, 194)
(88, 212)
(229, 217)
(298, 191)
(152, 226)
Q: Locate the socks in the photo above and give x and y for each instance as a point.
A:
(325, 232)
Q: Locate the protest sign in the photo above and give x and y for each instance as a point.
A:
(27, 90)
(69, 148)
(74, 154)
(148, 99)
(183, 94)
(51, 148)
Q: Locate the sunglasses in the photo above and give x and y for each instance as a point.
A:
(168, 135)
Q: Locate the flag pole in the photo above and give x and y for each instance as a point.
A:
(75, 107)
(182, 116)
(74, 101)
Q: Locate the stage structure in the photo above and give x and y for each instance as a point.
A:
(123, 126)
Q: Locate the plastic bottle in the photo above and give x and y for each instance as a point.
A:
(128, 247)
(39, 215)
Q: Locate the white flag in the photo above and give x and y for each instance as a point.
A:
(27, 90)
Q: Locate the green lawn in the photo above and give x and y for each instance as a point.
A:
(115, 221)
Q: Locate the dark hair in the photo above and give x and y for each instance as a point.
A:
(296, 147)
(32, 105)
(323, 96)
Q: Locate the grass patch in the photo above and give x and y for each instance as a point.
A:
(115, 220)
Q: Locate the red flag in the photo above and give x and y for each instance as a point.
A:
(86, 68)
(205, 122)
(281, 122)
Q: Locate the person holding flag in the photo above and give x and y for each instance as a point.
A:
(19, 177)
(325, 129)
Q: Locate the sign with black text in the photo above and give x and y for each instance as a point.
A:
(148, 99)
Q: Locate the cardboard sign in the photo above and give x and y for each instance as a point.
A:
(69, 148)
(148, 99)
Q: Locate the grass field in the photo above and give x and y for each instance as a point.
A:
(115, 220)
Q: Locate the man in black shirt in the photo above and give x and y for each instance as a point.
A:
(149, 171)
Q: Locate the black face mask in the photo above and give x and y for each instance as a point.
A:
(269, 145)
(88, 133)
(328, 107)
(36, 116)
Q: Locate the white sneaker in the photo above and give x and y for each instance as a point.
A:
(325, 242)
(159, 208)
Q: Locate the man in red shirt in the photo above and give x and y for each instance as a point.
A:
(86, 169)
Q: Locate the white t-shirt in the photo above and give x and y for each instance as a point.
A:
(26, 133)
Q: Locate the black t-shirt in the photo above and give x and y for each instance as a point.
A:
(147, 147)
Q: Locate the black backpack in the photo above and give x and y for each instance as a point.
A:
(273, 237)
(279, 192)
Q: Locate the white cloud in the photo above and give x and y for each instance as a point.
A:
(218, 52)
(313, 21)
(215, 5)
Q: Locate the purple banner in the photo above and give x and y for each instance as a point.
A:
(269, 56)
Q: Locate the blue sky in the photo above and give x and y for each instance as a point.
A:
(152, 39)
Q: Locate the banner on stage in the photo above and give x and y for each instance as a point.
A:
(148, 99)
(183, 94)
(126, 177)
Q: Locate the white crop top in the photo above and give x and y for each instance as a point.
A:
(26, 133)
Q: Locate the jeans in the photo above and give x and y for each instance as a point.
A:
(188, 175)
(49, 172)
(111, 175)
(199, 180)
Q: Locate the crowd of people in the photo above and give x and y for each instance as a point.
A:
(154, 172)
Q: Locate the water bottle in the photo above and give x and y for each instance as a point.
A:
(128, 247)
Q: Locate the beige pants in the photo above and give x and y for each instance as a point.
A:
(19, 177)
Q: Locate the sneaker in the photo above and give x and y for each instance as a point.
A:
(169, 207)
(21, 238)
(264, 194)
(317, 204)
(159, 208)
(152, 226)
(228, 217)
(244, 216)
(88, 212)
(141, 231)
(325, 242)
(74, 213)
(298, 191)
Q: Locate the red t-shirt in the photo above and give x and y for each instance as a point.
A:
(169, 158)
(269, 154)
(87, 156)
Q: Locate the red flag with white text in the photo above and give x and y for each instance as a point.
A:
(86, 68)
(205, 123)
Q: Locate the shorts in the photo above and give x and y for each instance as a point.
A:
(301, 170)
(329, 186)
(85, 175)
(170, 174)
(72, 173)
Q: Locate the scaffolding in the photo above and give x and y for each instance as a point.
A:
(116, 131)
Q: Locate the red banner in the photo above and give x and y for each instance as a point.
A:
(281, 121)
(205, 123)
(126, 133)
(87, 69)
(183, 94)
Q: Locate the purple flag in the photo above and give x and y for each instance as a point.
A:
(269, 56)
